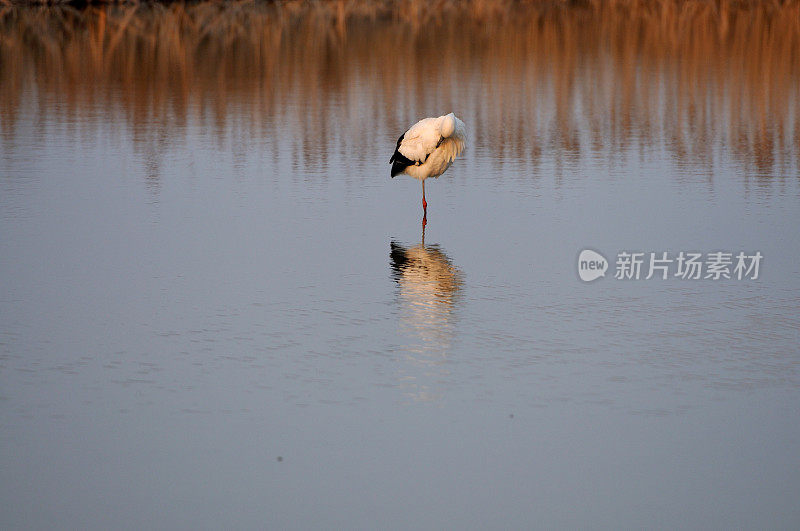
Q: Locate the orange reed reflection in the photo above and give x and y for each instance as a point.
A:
(592, 77)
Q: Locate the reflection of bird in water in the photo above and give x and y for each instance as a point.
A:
(428, 149)
(429, 286)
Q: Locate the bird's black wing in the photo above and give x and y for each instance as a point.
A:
(399, 161)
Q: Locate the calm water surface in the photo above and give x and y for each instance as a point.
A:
(218, 310)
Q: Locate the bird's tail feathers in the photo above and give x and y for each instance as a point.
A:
(399, 163)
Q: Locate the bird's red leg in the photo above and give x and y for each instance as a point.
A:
(424, 206)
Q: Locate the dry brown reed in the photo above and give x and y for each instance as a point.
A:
(594, 76)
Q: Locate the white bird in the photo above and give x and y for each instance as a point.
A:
(428, 149)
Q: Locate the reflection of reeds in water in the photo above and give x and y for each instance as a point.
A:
(429, 285)
(591, 76)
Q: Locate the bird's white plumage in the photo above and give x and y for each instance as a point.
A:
(421, 139)
(433, 144)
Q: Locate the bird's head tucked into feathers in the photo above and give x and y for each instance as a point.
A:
(448, 125)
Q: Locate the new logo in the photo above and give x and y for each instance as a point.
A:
(591, 265)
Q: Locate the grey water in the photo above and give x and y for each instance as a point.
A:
(215, 322)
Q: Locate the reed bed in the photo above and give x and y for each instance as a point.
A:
(591, 77)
